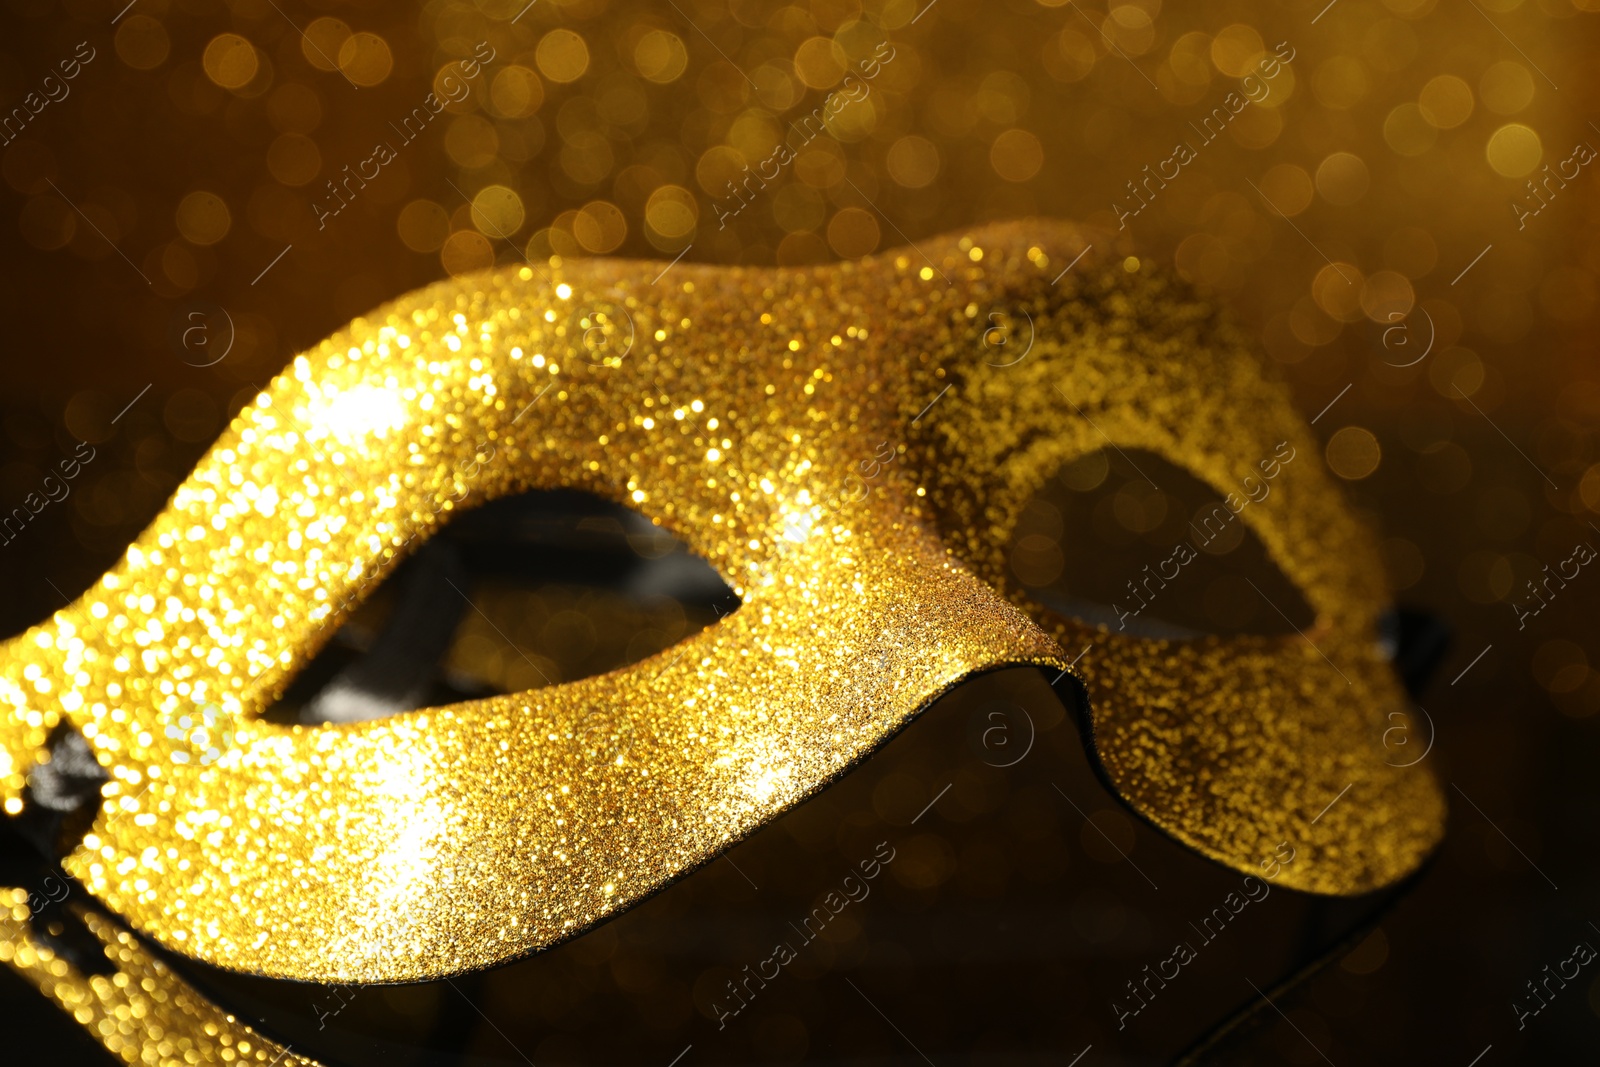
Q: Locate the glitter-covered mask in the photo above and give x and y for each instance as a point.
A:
(848, 448)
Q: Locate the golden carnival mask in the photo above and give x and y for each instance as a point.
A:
(846, 448)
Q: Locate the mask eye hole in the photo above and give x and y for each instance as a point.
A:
(537, 589)
(1128, 541)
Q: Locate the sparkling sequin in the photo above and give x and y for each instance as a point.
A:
(141, 1012)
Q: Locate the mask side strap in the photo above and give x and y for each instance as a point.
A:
(1237, 1025)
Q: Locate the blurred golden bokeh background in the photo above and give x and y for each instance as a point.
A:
(1393, 197)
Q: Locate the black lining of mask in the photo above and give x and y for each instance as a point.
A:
(370, 672)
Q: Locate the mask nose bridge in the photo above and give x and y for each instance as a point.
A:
(889, 537)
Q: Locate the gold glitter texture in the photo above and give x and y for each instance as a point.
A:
(141, 1012)
(732, 407)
